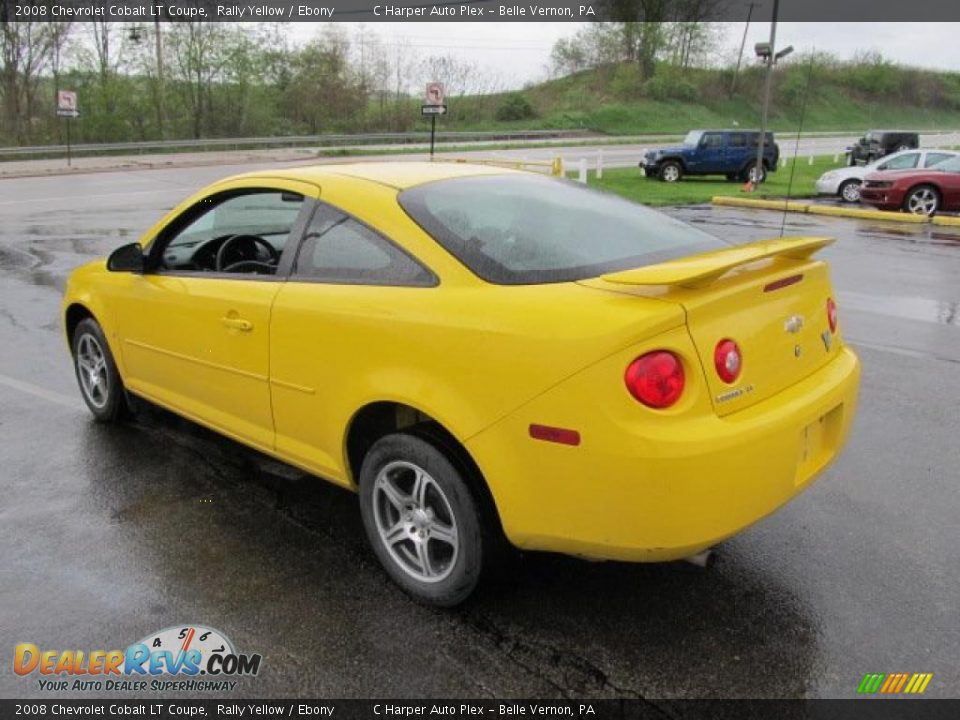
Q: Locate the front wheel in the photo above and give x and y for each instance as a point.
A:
(100, 383)
(671, 172)
(421, 519)
(752, 175)
(922, 200)
(850, 191)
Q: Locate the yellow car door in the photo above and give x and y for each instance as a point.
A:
(348, 281)
(195, 327)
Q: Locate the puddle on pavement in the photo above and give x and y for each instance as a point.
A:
(908, 308)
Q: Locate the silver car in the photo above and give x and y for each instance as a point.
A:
(845, 182)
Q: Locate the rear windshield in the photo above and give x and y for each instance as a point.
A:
(527, 229)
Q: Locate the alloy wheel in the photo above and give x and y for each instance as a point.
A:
(923, 201)
(415, 521)
(92, 371)
(851, 192)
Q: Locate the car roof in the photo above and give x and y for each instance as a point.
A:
(398, 175)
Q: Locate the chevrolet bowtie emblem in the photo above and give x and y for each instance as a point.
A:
(794, 324)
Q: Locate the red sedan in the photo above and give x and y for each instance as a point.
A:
(920, 191)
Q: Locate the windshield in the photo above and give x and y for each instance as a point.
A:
(693, 138)
(528, 229)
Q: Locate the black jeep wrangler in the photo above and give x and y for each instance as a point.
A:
(877, 143)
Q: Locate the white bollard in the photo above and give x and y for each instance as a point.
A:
(810, 160)
(836, 158)
(784, 160)
(583, 171)
(599, 164)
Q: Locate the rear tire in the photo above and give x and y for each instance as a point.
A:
(671, 172)
(922, 200)
(100, 384)
(849, 191)
(422, 519)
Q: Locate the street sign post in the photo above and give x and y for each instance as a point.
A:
(67, 108)
(433, 106)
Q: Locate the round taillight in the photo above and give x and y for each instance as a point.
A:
(656, 379)
(727, 360)
(832, 314)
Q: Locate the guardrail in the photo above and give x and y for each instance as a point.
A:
(330, 140)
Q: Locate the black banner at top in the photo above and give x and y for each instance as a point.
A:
(472, 10)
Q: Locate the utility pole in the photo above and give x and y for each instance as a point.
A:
(768, 80)
(743, 44)
(158, 41)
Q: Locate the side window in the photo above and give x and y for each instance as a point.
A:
(339, 249)
(238, 232)
(738, 140)
(901, 162)
(713, 141)
(934, 157)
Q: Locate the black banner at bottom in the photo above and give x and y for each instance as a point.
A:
(156, 709)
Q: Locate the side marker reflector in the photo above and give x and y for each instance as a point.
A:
(555, 434)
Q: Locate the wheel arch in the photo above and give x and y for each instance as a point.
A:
(74, 314)
(384, 417)
(672, 158)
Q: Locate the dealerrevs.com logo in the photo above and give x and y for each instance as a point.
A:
(188, 658)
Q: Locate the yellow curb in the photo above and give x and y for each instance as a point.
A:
(780, 205)
(867, 214)
(946, 220)
(831, 210)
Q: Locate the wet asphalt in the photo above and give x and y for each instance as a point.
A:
(110, 533)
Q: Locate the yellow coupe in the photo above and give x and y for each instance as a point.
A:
(481, 353)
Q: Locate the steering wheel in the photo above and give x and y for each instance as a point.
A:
(246, 255)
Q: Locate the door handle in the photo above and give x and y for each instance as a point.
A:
(235, 323)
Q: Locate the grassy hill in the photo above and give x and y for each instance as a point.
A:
(839, 96)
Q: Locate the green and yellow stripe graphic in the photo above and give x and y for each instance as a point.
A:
(894, 683)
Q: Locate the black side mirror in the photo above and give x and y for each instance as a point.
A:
(128, 258)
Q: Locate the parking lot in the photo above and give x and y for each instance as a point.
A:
(110, 533)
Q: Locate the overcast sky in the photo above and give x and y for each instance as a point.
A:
(519, 52)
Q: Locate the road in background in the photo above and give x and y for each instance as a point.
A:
(109, 533)
(614, 154)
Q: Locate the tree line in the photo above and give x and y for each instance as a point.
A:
(191, 80)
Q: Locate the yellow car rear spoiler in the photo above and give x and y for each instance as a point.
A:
(701, 270)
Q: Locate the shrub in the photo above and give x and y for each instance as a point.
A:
(515, 107)
(666, 87)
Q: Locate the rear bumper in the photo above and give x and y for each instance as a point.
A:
(651, 492)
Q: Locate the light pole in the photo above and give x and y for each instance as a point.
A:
(136, 35)
(743, 44)
(766, 52)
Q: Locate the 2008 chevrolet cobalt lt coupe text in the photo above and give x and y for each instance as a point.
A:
(482, 354)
